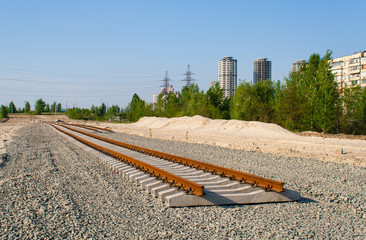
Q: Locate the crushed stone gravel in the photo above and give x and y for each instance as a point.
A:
(49, 188)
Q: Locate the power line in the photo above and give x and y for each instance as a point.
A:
(67, 96)
(76, 82)
(16, 70)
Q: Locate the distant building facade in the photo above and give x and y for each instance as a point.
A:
(166, 89)
(350, 70)
(164, 92)
(228, 75)
(262, 70)
(297, 65)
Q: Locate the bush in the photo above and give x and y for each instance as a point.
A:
(3, 112)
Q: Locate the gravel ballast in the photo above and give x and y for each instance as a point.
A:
(49, 188)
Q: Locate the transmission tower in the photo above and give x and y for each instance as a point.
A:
(188, 78)
(166, 81)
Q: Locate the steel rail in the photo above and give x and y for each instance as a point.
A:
(254, 180)
(174, 180)
(94, 128)
(100, 128)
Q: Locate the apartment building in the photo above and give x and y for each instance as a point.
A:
(228, 75)
(350, 70)
(262, 70)
(297, 65)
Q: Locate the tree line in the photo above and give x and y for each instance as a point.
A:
(101, 113)
(307, 100)
(39, 108)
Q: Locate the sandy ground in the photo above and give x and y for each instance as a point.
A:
(15, 122)
(249, 136)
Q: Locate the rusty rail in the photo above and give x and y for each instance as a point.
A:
(90, 127)
(255, 181)
(174, 180)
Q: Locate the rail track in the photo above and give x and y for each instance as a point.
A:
(93, 128)
(176, 180)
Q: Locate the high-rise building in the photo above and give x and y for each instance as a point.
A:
(297, 65)
(350, 70)
(228, 75)
(262, 70)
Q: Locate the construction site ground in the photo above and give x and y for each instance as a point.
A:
(50, 188)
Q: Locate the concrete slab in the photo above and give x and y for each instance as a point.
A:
(137, 180)
(151, 185)
(163, 194)
(155, 190)
(259, 196)
(213, 182)
(133, 176)
(147, 181)
(232, 184)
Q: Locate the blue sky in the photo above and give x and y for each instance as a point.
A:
(88, 52)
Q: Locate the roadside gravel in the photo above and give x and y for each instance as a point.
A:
(49, 188)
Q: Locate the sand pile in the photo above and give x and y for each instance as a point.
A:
(206, 125)
(249, 136)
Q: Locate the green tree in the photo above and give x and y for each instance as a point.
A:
(291, 109)
(310, 98)
(12, 108)
(47, 108)
(327, 96)
(225, 108)
(79, 113)
(59, 107)
(198, 104)
(218, 104)
(136, 108)
(102, 110)
(188, 93)
(353, 118)
(171, 105)
(149, 109)
(93, 109)
(241, 102)
(254, 102)
(53, 107)
(27, 107)
(3, 112)
(113, 112)
(39, 107)
(362, 111)
(278, 95)
(215, 95)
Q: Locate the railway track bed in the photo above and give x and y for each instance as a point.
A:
(177, 181)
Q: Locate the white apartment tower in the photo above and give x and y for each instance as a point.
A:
(350, 70)
(228, 75)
